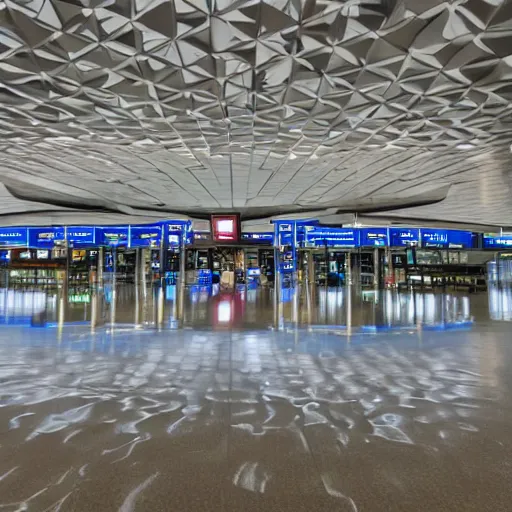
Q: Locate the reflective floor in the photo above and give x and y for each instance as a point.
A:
(385, 401)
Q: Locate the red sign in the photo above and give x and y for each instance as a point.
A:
(226, 228)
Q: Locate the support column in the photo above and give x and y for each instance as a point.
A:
(376, 268)
(94, 310)
(164, 247)
(137, 285)
(391, 269)
(348, 269)
(294, 255)
(180, 292)
(113, 303)
(100, 267)
(311, 268)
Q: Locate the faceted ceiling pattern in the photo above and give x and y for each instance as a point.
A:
(147, 107)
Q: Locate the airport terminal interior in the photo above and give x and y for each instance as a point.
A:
(255, 255)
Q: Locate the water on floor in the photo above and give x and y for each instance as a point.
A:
(324, 400)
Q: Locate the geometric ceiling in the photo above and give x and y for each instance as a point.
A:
(145, 107)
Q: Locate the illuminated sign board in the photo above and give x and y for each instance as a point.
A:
(258, 237)
(81, 235)
(332, 237)
(112, 235)
(45, 237)
(145, 236)
(497, 242)
(13, 236)
(403, 237)
(226, 228)
(373, 237)
(446, 239)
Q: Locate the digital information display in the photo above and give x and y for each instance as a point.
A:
(446, 239)
(114, 236)
(45, 237)
(373, 237)
(404, 237)
(332, 237)
(225, 228)
(145, 236)
(258, 237)
(13, 236)
(497, 242)
(81, 235)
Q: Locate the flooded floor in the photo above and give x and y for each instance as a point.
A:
(397, 402)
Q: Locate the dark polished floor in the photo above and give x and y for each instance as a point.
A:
(395, 402)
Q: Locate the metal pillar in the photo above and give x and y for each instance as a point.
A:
(114, 285)
(348, 268)
(277, 285)
(180, 292)
(311, 268)
(376, 268)
(100, 267)
(391, 270)
(142, 269)
(94, 310)
(160, 306)
(137, 285)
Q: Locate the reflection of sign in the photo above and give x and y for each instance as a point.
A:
(82, 298)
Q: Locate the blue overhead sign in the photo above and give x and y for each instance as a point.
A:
(446, 239)
(403, 237)
(373, 237)
(81, 235)
(331, 237)
(13, 237)
(45, 238)
(258, 237)
(497, 242)
(145, 236)
(112, 235)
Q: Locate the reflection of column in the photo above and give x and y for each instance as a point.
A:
(160, 303)
(349, 311)
(94, 310)
(309, 304)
